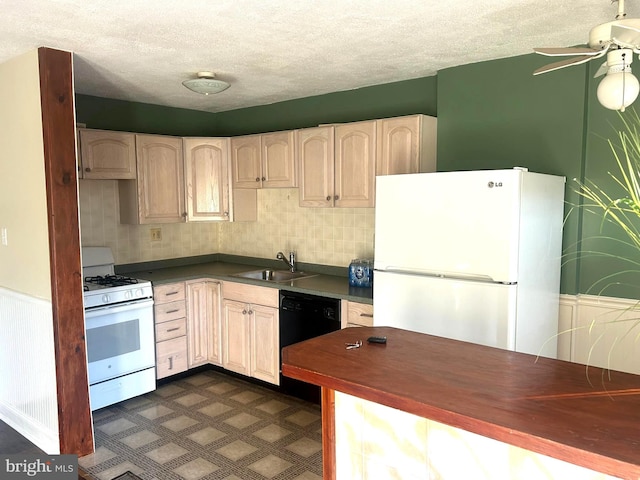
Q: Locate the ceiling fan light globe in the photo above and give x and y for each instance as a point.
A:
(618, 90)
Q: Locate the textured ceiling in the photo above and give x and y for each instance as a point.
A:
(275, 50)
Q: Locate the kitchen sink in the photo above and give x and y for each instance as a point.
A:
(273, 275)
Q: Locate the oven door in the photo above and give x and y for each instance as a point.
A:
(120, 340)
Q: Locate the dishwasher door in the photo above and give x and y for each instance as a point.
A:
(304, 316)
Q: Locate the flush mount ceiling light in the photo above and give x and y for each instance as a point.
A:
(206, 84)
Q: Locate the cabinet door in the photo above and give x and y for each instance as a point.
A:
(214, 339)
(398, 144)
(355, 164)
(315, 148)
(198, 304)
(236, 340)
(406, 145)
(245, 161)
(207, 178)
(265, 351)
(108, 155)
(160, 179)
(203, 318)
(278, 166)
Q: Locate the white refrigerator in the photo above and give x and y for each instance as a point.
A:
(471, 255)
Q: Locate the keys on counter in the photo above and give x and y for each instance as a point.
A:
(351, 346)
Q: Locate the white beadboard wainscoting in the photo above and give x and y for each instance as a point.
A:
(28, 397)
(600, 331)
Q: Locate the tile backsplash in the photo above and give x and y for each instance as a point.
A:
(327, 236)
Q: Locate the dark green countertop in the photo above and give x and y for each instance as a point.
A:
(324, 281)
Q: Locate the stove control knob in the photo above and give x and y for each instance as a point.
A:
(127, 295)
(105, 299)
(139, 292)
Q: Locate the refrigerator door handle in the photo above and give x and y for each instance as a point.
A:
(429, 273)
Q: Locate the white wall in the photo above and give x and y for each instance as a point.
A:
(600, 331)
(28, 399)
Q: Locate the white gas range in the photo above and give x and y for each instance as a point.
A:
(119, 331)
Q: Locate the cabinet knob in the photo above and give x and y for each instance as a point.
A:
(244, 312)
(87, 169)
(250, 312)
(337, 197)
(257, 179)
(328, 198)
(263, 179)
(226, 214)
(170, 363)
(184, 214)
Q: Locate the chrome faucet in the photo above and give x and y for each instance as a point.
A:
(291, 263)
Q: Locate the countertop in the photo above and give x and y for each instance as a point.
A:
(333, 286)
(586, 416)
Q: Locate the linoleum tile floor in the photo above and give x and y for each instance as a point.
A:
(208, 426)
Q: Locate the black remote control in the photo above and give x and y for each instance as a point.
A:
(377, 339)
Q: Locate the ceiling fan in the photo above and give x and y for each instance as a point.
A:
(619, 40)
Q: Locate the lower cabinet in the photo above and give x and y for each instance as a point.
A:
(356, 314)
(203, 322)
(195, 327)
(171, 329)
(171, 357)
(250, 331)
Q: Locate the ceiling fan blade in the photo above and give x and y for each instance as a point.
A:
(602, 70)
(625, 36)
(563, 52)
(563, 63)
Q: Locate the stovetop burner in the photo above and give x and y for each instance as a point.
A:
(111, 280)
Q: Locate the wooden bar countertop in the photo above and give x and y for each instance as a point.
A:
(586, 416)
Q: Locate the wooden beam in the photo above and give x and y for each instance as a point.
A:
(328, 433)
(58, 130)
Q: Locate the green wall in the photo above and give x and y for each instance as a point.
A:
(389, 100)
(109, 114)
(379, 101)
(493, 114)
(550, 123)
(607, 266)
(505, 117)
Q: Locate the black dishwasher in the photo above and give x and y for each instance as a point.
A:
(304, 316)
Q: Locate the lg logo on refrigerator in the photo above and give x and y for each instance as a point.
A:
(494, 184)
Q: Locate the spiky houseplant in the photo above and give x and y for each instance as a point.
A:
(619, 207)
(616, 207)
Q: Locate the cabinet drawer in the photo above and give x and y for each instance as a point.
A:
(359, 314)
(171, 329)
(169, 311)
(171, 357)
(170, 292)
(242, 292)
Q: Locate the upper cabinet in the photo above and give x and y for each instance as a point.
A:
(206, 162)
(263, 161)
(158, 194)
(245, 161)
(406, 145)
(107, 155)
(337, 165)
(278, 160)
(182, 179)
(315, 154)
(355, 158)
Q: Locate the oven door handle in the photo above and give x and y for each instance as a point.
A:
(119, 308)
